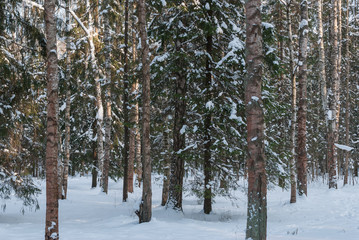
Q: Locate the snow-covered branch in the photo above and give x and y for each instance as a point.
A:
(343, 147)
(80, 22)
(34, 4)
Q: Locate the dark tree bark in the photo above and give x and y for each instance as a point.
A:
(302, 101)
(256, 161)
(94, 171)
(145, 212)
(177, 163)
(52, 204)
(125, 110)
(207, 205)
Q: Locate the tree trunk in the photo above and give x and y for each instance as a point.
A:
(108, 113)
(302, 103)
(339, 2)
(138, 150)
(99, 105)
(256, 161)
(322, 72)
(133, 111)
(52, 204)
(60, 160)
(94, 167)
(333, 98)
(145, 212)
(125, 109)
(177, 163)
(293, 186)
(207, 166)
(167, 166)
(68, 103)
(347, 94)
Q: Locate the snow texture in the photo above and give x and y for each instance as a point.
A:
(183, 129)
(100, 113)
(209, 105)
(267, 25)
(92, 215)
(303, 23)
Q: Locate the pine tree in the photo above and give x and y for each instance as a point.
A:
(52, 204)
(145, 212)
(256, 162)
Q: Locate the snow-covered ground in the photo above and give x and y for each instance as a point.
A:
(89, 214)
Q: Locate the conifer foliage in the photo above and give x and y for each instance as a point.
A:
(198, 93)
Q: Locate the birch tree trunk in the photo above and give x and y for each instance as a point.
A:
(145, 212)
(52, 204)
(302, 103)
(333, 98)
(108, 115)
(256, 160)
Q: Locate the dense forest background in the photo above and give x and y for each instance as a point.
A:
(190, 89)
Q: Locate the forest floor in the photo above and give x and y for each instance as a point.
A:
(89, 214)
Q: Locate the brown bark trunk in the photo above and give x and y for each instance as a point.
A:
(256, 161)
(302, 103)
(125, 110)
(333, 98)
(293, 186)
(52, 204)
(145, 212)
